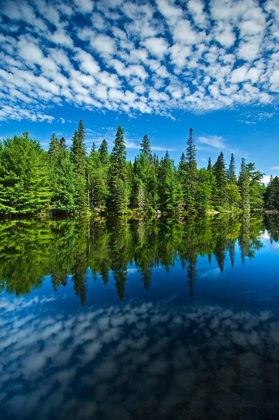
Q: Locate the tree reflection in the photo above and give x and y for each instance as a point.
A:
(65, 249)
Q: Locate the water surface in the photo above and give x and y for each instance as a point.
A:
(164, 318)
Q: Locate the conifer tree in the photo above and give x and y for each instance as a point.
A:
(118, 194)
(54, 146)
(97, 180)
(272, 194)
(103, 152)
(62, 180)
(191, 177)
(232, 179)
(24, 182)
(78, 157)
(243, 183)
(145, 147)
(169, 192)
(221, 182)
(256, 187)
(63, 143)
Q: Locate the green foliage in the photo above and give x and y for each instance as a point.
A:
(191, 175)
(272, 194)
(233, 195)
(62, 182)
(244, 187)
(232, 179)
(78, 158)
(221, 192)
(24, 181)
(118, 191)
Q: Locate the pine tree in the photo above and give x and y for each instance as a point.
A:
(24, 182)
(191, 177)
(232, 179)
(54, 146)
(145, 147)
(118, 194)
(272, 194)
(169, 192)
(103, 152)
(219, 169)
(97, 181)
(257, 189)
(62, 183)
(243, 183)
(63, 143)
(78, 157)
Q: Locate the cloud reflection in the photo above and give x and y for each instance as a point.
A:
(136, 360)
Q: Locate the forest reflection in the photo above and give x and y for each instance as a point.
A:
(65, 248)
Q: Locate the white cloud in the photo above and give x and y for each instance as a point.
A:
(84, 6)
(213, 141)
(266, 179)
(169, 55)
(156, 46)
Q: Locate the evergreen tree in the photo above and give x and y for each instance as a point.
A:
(24, 182)
(63, 143)
(78, 157)
(97, 181)
(118, 194)
(103, 152)
(219, 169)
(243, 183)
(191, 175)
(54, 146)
(62, 183)
(169, 191)
(272, 194)
(232, 179)
(256, 187)
(145, 147)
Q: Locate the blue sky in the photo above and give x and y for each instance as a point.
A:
(156, 67)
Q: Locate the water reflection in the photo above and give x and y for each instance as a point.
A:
(145, 360)
(32, 249)
(147, 356)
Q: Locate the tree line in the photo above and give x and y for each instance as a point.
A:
(63, 248)
(66, 181)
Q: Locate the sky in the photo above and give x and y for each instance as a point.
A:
(154, 67)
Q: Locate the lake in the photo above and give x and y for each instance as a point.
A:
(140, 319)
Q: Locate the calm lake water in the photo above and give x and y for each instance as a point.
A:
(156, 319)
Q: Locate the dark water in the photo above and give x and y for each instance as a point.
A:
(157, 319)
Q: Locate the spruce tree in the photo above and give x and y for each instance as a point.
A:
(103, 152)
(118, 194)
(257, 189)
(169, 192)
(24, 181)
(243, 183)
(145, 147)
(191, 176)
(221, 182)
(63, 143)
(232, 179)
(54, 146)
(78, 157)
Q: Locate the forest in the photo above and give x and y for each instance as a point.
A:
(68, 181)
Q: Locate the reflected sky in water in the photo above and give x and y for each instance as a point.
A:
(139, 319)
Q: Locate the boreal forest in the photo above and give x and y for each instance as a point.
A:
(68, 181)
